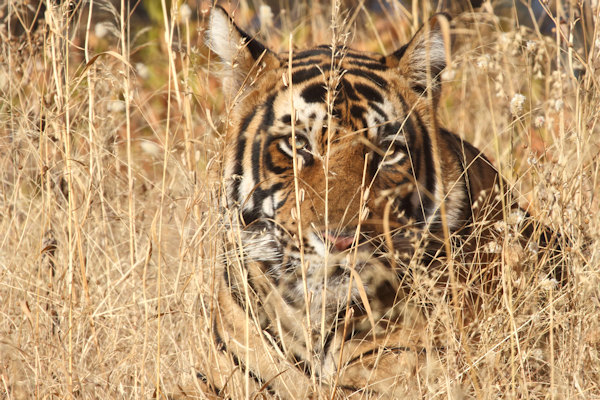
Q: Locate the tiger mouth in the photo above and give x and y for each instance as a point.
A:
(338, 241)
(343, 242)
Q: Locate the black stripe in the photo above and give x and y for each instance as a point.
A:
(258, 197)
(246, 122)
(348, 90)
(409, 132)
(250, 215)
(317, 61)
(371, 65)
(360, 56)
(373, 77)
(374, 163)
(283, 200)
(257, 148)
(328, 342)
(365, 124)
(237, 170)
(272, 167)
(274, 189)
(305, 74)
(303, 365)
(239, 156)
(325, 50)
(377, 350)
(255, 47)
(256, 158)
(390, 129)
(407, 207)
(315, 93)
(319, 51)
(358, 112)
(369, 93)
(378, 110)
(269, 115)
(400, 52)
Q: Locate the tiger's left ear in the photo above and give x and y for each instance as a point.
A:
(423, 59)
(244, 56)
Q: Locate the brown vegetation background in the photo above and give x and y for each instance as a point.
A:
(111, 122)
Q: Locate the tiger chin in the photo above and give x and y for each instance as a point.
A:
(338, 181)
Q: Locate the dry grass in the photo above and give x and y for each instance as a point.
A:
(109, 158)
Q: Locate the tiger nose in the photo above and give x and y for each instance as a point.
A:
(340, 242)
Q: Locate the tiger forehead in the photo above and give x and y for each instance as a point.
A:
(351, 83)
(322, 62)
(323, 55)
(355, 88)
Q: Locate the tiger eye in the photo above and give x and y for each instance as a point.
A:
(390, 151)
(300, 142)
(393, 153)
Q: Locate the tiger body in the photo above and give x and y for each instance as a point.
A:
(332, 178)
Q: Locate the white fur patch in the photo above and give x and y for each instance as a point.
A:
(222, 37)
(268, 207)
(246, 188)
(454, 203)
(432, 49)
(428, 50)
(261, 247)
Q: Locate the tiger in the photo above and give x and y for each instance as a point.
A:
(337, 177)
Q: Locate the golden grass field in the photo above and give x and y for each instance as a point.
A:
(110, 150)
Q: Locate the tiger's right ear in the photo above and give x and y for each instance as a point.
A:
(423, 59)
(244, 57)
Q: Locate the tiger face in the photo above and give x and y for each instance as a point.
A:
(329, 155)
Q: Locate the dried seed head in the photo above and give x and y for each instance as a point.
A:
(266, 16)
(516, 104)
(539, 121)
(185, 12)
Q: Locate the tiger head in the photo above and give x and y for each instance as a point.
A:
(330, 152)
